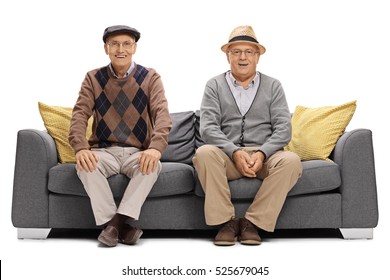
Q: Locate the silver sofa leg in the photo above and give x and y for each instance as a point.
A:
(33, 233)
(357, 233)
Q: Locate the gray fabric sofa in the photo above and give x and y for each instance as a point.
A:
(330, 195)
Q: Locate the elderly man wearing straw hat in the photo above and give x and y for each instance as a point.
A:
(245, 122)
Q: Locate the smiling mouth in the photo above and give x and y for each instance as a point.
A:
(120, 56)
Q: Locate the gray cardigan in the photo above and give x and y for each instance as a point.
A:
(266, 125)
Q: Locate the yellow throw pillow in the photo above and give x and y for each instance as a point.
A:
(57, 122)
(315, 131)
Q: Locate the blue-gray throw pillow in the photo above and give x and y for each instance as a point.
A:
(181, 139)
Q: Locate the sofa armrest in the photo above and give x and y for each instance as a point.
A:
(35, 154)
(354, 154)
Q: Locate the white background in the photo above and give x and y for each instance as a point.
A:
(324, 53)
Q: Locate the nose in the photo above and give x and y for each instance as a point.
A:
(242, 55)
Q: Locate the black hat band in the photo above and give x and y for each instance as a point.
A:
(243, 38)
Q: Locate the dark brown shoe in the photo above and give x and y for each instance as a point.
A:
(227, 235)
(248, 233)
(109, 236)
(129, 235)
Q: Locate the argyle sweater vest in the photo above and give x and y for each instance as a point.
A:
(121, 109)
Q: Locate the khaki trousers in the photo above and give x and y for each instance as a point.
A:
(280, 172)
(115, 160)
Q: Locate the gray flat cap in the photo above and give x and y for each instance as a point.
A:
(117, 29)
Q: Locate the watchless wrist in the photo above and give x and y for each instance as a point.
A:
(262, 153)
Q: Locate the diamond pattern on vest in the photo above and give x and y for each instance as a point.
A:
(102, 131)
(122, 131)
(140, 101)
(140, 74)
(121, 106)
(102, 104)
(140, 130)
(121, 103)
(102, 77)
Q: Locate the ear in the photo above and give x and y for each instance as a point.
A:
(134, 48)
(258, 58)
(106, 49)
(228, 57)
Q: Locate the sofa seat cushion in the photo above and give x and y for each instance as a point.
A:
(318, 176)
(175, 178)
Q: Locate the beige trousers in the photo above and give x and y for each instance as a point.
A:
(115, 160)
(280, 172)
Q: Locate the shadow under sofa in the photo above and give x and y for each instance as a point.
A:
(338, 194)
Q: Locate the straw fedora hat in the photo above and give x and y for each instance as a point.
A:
(243, 34)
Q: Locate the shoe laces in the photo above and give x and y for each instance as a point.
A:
(246, 224)
(232, 225)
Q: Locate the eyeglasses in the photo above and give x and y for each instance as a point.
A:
(248, 53)
(126, 44)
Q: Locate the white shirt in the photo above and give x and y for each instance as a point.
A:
(244, 97)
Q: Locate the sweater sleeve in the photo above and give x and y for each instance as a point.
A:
(210, 120)
(280, 121)
(159, 115)
(81, 113)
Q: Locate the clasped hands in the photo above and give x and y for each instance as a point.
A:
(248, 163)
(87, 160)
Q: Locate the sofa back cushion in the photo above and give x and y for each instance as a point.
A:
(181, 139)
(198, 139)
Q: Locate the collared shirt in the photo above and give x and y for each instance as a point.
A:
(243, 96)
(127, 72)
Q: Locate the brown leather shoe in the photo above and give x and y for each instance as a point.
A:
(227, 235)
(129, 235)
(109, 236)
(248, 233)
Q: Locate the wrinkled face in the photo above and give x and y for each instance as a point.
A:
(120, 48)
(243, 59)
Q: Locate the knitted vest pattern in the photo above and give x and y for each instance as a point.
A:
(121, 110)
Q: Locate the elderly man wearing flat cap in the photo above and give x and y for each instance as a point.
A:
(245, 122)
(130, 129)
